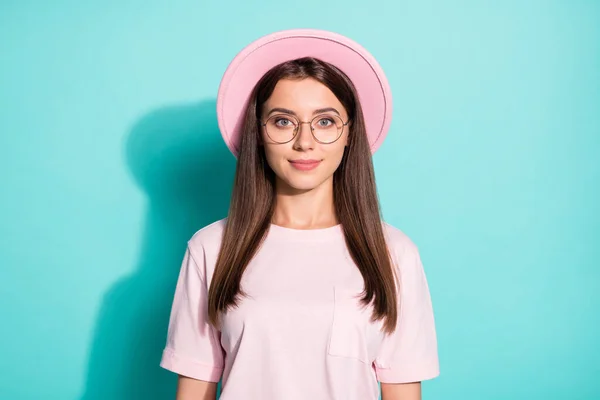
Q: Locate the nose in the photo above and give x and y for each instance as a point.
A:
(304, 137)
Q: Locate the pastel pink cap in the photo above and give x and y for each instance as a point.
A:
(250, 64)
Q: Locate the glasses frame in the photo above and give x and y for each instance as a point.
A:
(297, 129)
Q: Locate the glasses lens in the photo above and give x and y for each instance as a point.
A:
(281, 128)
(327, 128)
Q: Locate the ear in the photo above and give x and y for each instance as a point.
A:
(259, 134)
(349, 136)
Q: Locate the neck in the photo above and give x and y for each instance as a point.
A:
(304, 208)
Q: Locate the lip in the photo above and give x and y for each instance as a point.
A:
(305, 165)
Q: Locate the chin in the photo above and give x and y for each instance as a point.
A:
(299, 180)
(303, 182)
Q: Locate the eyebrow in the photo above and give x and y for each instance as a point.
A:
(317, 111)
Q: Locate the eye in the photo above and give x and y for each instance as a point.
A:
(283, 122)
(325, 122)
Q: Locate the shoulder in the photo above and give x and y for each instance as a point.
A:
(204, 247)
(404, 252)
(399, 243)
(208, 238)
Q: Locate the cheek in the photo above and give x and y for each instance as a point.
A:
(275, 156)
(335, 151)
(334, 159)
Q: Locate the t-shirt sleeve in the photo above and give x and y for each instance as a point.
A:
(410, 353)
(193, 347)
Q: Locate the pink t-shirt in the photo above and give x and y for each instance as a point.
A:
(302, 334)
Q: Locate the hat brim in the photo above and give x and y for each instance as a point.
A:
(250, 64)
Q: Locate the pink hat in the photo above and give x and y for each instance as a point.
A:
(250, 64)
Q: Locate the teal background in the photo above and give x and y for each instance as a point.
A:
(111, 159)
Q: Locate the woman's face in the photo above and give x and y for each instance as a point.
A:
(303, 98)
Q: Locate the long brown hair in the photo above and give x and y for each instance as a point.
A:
(355, 199)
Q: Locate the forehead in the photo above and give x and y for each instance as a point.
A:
(302, 96)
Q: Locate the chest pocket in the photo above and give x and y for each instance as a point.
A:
(353, 335)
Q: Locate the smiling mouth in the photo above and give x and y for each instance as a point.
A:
(305, 165)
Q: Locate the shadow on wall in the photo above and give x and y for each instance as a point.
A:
(178, 158)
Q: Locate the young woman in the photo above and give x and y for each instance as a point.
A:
(302, 292)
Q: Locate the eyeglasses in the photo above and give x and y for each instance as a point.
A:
(325, 128)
